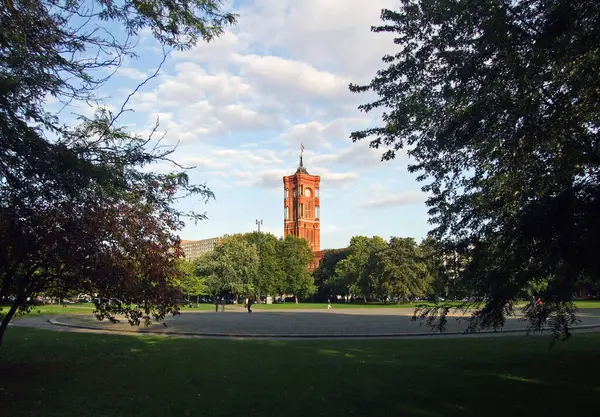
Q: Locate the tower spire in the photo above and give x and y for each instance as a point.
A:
(301, 166)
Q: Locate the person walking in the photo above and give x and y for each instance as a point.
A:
(249, 301)
(222, 303)
(328, 304)
(217, 303)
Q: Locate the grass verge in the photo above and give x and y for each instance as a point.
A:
(293, 306)
(46, 373)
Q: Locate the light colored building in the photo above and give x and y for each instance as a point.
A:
(193, 249)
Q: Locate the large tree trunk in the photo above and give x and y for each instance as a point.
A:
(296, 298)
(8, 317)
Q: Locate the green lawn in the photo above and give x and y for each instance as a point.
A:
(588, 304)
(292, 305)
(46, 373)
(59, 309)
(88, 308)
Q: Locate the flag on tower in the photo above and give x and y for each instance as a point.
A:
(302, 147)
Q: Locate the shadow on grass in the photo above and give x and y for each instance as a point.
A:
(47, 373)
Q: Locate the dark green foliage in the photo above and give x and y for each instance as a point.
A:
(401, 272)
(254, 264)
(79, 210)
(269, 269)
(357, 271)
(326, 289)
(373, 269)
(295, 255)
(497, 102)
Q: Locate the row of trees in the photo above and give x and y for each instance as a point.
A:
(252, 264)
(371, 268)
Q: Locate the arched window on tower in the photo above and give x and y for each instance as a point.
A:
(286, 193)
(317, 192)
(286, 212)
(317, 212)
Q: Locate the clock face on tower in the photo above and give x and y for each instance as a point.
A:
(307, 192)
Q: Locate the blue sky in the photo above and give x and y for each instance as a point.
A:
(240, 107)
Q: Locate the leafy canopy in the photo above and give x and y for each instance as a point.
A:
(79, 209)
(497, 104)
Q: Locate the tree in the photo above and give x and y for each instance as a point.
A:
(295, 255)
(234, 266)
(207, 269)
(79, 210)
(189, 280)
(268, 280)
(400, 271)
(324, 275)
(356, 272)
(495, 101)
(439, 268)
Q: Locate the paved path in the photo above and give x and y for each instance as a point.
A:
(276, 324)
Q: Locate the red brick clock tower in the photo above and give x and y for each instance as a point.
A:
(302, 206)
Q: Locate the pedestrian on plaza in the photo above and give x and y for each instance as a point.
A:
(249, 302)
(217, 303)
(510, 306)
(222, 303)
(328, 304)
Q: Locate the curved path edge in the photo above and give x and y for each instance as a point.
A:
(141, 332)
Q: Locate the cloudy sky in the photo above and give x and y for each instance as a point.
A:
(240, 107)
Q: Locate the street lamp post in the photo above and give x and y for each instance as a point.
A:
(258, 224)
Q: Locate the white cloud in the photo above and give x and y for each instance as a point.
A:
(207, 162)
(333, 33)
(132, 73)
(192, 83)
(238, 157)
(272, 178)
(215, 55)
(316, 135)
(400, 199)
(289, 79)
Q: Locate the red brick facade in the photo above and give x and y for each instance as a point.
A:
(302, 206)
(302, 209)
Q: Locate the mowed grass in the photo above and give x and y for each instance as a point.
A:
(84, 308)
(292, 306)
(45, 373)
(87, 308)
